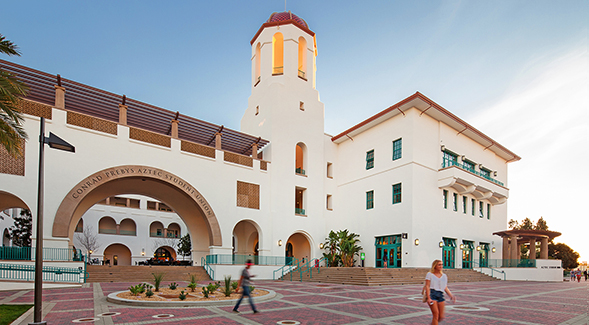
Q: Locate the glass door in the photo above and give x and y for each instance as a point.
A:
(448, 253)
(388, 251)
(468, 247)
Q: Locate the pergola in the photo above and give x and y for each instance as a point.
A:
(512, 239)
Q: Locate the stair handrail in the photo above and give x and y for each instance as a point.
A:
(207, 268)
(309, 267)
(488, 267)
(288, 267)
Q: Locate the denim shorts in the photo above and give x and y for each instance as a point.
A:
(436, 295)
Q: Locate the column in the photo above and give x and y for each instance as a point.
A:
(118, 229)
(513, 251)
(532, 249)
(123, 114)
(59, 97)
(255, 150)
(175, 129)
(544, 248)
(505, 252)
(218, 141)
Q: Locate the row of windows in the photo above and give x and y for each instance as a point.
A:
(451, 159)
(396, 196)
(464, 205)
(397, 153)
(127, 227)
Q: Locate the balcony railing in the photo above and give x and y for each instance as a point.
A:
(277, 70)
(241, 259)
(448, 163)
(155, 234)
(300, 171)
(170, 235)
(504, 263)
(128, 232)
(300, 211)
(49, 254)
(302, 74)
(107, 231)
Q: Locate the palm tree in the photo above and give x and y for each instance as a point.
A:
(348, 247)
(11, 131)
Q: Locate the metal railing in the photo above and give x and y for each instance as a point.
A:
(277, 70)
(230, 259)
(107, 231)
(300, 211)
(21, 272)
(302, 74)
(128, 232)
(207, 268)
(476, 264)
(313, 264)
(449, 162)
(155, 234)
(300, 171)
(49, 254)
(507, 263)
(171, 235)
(292, 265)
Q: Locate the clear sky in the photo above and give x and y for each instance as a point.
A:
(516, 70)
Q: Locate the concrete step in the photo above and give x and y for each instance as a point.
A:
(100, 273)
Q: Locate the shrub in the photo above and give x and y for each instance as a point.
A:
(252, 288)
(173, 285)
(205, 292)
(234, 285)
(227, 289)
(182, 295)
(157, 280)
(148, 293)
(193, 278)
(136, 290)
(192, 286)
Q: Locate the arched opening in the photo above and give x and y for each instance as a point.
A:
(80, 226)
(277, 54)
(164, 254)
(298, 246)
(258, 60)
(300, 158)
(173, 231)
(117, 254)
(5, 238)
(156, 229)
(302, 58)
(246, 236)
(107, 225)
(8, 200)
(173, 191)
(128, 227)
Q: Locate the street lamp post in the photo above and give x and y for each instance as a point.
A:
(54, 142)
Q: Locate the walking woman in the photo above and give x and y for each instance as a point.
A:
(436, 282)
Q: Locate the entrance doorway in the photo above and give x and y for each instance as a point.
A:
(115, 260)
(117, 254)
(388, 251)
(298, 247)
(449, 253)
(467, 248)
(484, 254)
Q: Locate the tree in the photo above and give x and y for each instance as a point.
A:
(21, 232)
(331, 245)
(185, 246)
(88, 239)
(564, 253)
(11, 89)
(341, 248)
(541, 224)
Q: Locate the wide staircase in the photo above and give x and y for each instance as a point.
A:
(119, 273)
(369, 276)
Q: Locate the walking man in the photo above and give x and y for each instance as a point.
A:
(244, 284)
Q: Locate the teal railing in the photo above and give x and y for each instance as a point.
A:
(313, 264)
(493, 270)
(302, 74)
(449, 162)
(128, 232)
(292, 265)
(300, 171)
(19, 272)
(506, 263)
(300, 211)
(49, 254)
(207, 268)
(107, 231)
(277, 70)
(231, 259)
(155, 234)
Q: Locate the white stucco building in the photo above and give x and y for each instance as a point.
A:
(416, 182)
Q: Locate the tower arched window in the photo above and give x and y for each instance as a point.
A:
(302, 58)
(300, 158)
(257, 61)
(277, 54)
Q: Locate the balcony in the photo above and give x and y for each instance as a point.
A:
(128, 232)
(300, 211)
(277, 71)
(302, 75)
(155, 234)
(300, 171)
(450, 163)
(107, 231)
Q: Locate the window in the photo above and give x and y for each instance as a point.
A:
(329, 204)
(397, 149)
(257, 63)
(257, 110)
(445, 199)
(468, 165)
(277, 54)
(300, 158)
(369, 200)
(301, 106)
(370, 159)
(302, 58)
(299, 201)
(329, 170)
(481, 214)
(488, 211)
(464, 200)
(455, 201)
(450, 159)
(472, 205)
(248, 195)
(485, 173)
(397, 193)
(163, 207)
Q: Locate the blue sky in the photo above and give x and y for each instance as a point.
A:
(517, 70)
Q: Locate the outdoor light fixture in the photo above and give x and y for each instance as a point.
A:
(321, 246)
(54, 142)
(478, 248)
(90, 251)
(441, 244)
(462, 246)
(416, 242)
(280, 242)
(494, 249)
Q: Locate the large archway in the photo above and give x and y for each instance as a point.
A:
(298, 246)
(168, 188)
(117, 254)
(8, 200)
(246, 236)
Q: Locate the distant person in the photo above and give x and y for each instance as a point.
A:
(585, 274)
(436, 283)
(578, 275)
(384, 261)
(244, 284)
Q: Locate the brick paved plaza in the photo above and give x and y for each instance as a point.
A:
(496, 303)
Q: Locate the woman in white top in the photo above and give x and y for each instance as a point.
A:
(436, 282)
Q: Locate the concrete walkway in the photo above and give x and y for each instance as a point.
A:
(490, 303)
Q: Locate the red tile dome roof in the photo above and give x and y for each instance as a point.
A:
(287, 15)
